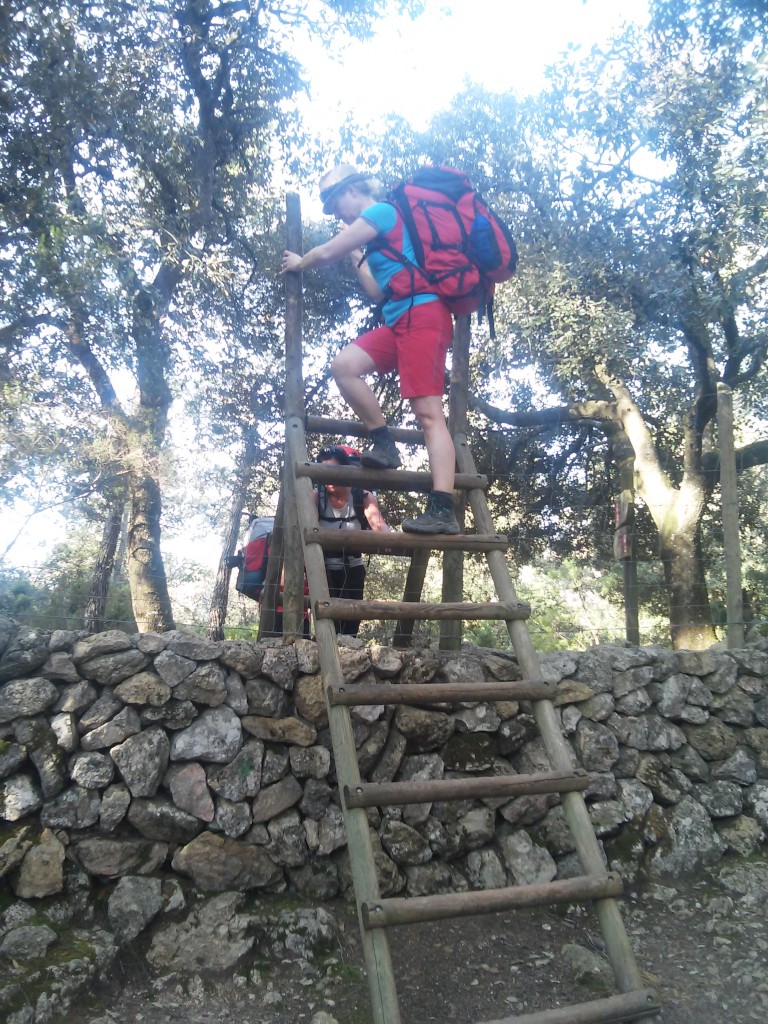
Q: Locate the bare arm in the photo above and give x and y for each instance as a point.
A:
(373, 514)
(344, 244)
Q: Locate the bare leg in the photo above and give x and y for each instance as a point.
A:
(348, 368)
(437, 438)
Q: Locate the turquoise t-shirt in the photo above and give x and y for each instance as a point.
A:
(383, 217)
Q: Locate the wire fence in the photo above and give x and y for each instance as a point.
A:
(566, 614)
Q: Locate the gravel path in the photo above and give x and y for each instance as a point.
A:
(703, 948)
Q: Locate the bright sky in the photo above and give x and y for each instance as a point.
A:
(414, 68)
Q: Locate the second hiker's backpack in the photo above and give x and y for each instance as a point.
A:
(251, 560)
(463, 249)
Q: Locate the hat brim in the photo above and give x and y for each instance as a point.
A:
(330, 195)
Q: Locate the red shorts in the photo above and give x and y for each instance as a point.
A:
(415, 346)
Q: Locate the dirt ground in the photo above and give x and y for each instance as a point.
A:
(704, 952)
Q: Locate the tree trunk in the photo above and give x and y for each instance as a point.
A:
(690, 617)
(146, 572)
(93, 616)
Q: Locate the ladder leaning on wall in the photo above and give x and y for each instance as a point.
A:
(597, 885)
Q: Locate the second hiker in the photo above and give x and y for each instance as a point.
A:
(346, 508)
(414, 338)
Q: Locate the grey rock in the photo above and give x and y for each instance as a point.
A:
(423, 730)
(280, 665)
(22, 698)
(215, 735)
(12, 756)
(480, 718)
(92, 770)
(236, 695)
(114, 858)
(267, 698)
(233, 819)
(243, 657)
(23, 653)
(216, 864)
(740, 767)
(143, 688)
(207, 684)
(29, 942)
(275, 765)
(108, 642)
(74, 808)
(280, 730)
(306, 762)
(688, 841)
(42, 871)
(274, 799)
(287, 844)
(132, 905)
(19, 796)
(125, 723)
(720, 799)
(142, 760)
(596, 745)
(189, 790)
(241, 778)
(404, 844)
(99, 711)
(527, 863)
(115, 802)
(172, 668)
(316, 797)
(212, 938)
(61, 667)
(64, 726)
(174, 715)
(189, 645)
(159, 820)
(111, 669)
(484, 870)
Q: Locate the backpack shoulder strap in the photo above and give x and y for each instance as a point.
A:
(358, 502)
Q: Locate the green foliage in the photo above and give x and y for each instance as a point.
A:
(54, 595)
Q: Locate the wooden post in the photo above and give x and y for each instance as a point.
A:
(293, 592)
(414, 584)
(729, 496)
(453, 561)
(269, 597)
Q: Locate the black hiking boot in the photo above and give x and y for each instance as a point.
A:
(381, 455)
(435, 520)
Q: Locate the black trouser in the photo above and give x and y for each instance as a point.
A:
(347, 582)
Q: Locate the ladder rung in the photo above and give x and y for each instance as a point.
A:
(627, 1006)
(370, 540)
(396, 911)
(383, 479)
(438, 693)
(343, 608)
(354, 428)
(420, 791)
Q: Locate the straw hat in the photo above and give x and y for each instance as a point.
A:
(336, 181)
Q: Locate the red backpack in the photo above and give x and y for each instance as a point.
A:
(463, 249)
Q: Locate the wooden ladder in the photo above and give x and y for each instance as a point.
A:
(598, 885)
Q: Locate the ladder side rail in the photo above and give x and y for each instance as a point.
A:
(453, 561)
(380, 972)
(293, 405)
(618, 947)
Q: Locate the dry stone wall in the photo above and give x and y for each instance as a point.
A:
(125, 756)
